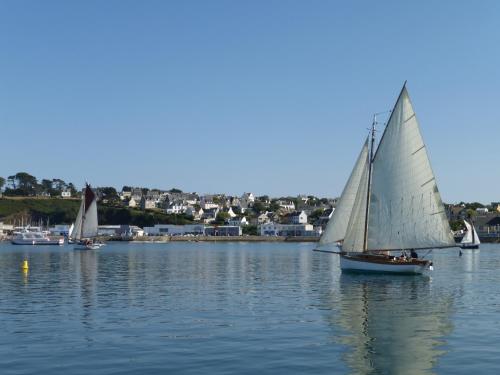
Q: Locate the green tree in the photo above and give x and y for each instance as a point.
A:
(72, 189)
(58, 185)
(250, 230)
(258, 207)
(2, 182)
(315, 215)
(221, 218)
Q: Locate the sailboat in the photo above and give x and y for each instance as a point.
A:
(84, 232)
(71, 233)
(396, 206)
(471, 239)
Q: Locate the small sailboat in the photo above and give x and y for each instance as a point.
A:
(84, 232)
(470, 239)
(391, 202)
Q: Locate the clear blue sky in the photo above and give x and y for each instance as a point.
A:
(230, 96)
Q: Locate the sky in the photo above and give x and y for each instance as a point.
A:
(272, 97)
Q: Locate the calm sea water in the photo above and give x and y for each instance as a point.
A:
(245, 308)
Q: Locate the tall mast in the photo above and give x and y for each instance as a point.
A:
(83, 212)
(372, 143)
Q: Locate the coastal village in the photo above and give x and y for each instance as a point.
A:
(209, 215)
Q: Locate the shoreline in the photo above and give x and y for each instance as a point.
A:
(164, 239)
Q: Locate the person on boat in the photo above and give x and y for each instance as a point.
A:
(413, 254)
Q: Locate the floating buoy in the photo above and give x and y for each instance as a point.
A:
(25, 265)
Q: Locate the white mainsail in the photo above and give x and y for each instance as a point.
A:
(405, 209)
(336, 228)
(89, 228)
(86, 220)
(469, 238)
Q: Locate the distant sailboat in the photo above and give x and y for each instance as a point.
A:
(397, 206)
(471, 239)
(85, 227)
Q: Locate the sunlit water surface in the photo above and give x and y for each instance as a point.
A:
(245, 308)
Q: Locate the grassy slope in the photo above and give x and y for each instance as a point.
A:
(63, 211)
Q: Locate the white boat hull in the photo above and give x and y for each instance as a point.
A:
(87, 247)
(350, 263)
(40, 241)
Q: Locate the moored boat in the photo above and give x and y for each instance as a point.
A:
(34, 236)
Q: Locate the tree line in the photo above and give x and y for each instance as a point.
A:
(24, 184)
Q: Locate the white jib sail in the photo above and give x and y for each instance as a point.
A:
(90, 221)
(71, 233)
(77, 229)
(405, 210)
(467, 239)
(476, 237)
(336, 228)
(355, 232)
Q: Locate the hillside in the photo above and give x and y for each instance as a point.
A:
(63, 211)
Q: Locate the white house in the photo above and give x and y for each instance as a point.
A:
(263, 218)
(287, 230)
(125, 194)
(133, 203)
(238, 221)
(298, 217)
(248, 198)
(209, 215)
(147, 203)
(231, 212)
(482, 210)
(286, 205)
(176, 208)
(66, 194)
(196, 214)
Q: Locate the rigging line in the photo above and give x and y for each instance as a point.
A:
(427, 253)
(437, 213)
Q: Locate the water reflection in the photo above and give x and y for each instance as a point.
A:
(86, 263)
(393, 324)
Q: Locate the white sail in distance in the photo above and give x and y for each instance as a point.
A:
(86, 220)
(468, 237)
(405, 208)
(336, 228)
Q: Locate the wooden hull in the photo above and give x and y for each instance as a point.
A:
(384, 264)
